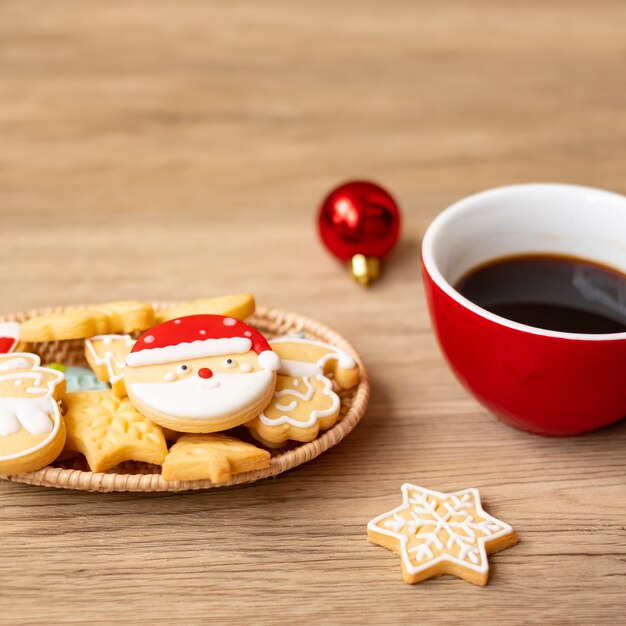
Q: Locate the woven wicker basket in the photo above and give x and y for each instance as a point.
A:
(133, 476)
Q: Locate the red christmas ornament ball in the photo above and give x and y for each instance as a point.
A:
(359, 218)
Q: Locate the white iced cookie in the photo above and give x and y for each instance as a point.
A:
(304, 402)
(32, 432)
(201, 373)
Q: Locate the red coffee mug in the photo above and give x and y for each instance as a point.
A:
(542, 381)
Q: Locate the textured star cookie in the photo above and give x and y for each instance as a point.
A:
(304, 401)
(214, 457)
(239, 306)
(99, 319)
(106, 355)
(441, 533)
(32, 432)
(109, 430)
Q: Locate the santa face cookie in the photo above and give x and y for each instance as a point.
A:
(202, 373)
(304, 401)
(32, 432)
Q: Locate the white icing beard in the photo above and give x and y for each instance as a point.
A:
(32, 414)
(211, 398)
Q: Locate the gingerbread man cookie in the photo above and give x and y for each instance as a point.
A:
(32, 432)
(441, 533)
(304, 401)
(202, 373)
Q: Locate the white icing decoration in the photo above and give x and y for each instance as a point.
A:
(189, 350)
(148, 339)
(37, 382)
(18, 382)
(31, 413)
(286, 407)
(296, 383)
(245, 367)
(17, 363)
(299, 369)
(108, 359)
(36, 390)
(9, 424)
(454, 528)
(169, 377)
(229, 321)
(177, 321)
(247, 333)
(203, 332)
(315, 415)
(344, 360)
(269, 360)
(190, 399)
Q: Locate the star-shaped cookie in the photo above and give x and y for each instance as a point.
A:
(109, 430)
(441, 533)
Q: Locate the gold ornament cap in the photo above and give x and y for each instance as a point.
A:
(365, 269)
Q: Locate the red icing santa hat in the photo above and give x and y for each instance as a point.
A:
(198, 336)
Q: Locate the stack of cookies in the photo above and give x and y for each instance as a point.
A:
(192, 389)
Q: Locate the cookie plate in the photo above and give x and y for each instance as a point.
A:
(139, 477)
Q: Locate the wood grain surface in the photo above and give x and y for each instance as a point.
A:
(172, 150)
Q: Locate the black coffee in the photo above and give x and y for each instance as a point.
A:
(552, 292)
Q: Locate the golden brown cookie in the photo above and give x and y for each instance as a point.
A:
(106, 355)
(239, 306)
(213, 457)
(441, 533)
(304, 401)
(109, 430)
(32, 431)
(99, 319)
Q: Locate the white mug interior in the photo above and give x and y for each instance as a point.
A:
(538, 218)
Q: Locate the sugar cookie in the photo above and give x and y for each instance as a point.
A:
(98, 319)
(32, 432)
(109, 430)
(239, 306)
(202, 373)
(304, 401)
(214, 457)
(441, 533)
(106, 354)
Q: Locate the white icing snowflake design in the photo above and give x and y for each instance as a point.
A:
(433, 527)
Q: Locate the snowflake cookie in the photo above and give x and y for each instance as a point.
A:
(441, 533)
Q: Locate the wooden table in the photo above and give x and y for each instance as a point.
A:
(179, 149)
